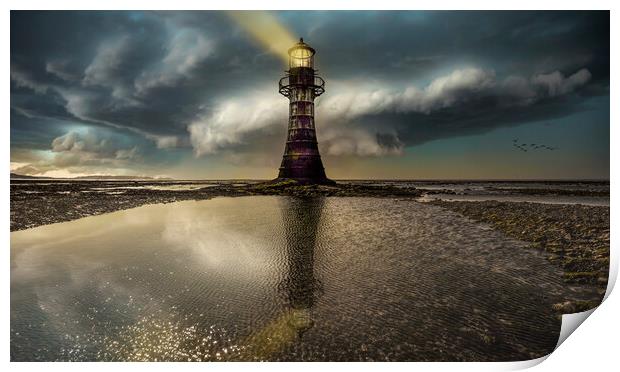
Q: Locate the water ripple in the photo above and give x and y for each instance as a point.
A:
(274, 278)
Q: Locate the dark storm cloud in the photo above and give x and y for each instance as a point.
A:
(150, 72)
(395, 43)
(197, 80)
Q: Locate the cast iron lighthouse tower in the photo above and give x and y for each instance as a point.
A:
(302, 161)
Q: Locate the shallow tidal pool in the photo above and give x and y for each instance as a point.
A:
(279, 278)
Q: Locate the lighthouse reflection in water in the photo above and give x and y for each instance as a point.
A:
(301, 218)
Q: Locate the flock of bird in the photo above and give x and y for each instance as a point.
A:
(532, 146)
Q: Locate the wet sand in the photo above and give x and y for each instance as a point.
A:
(574, 237)
(297, 279)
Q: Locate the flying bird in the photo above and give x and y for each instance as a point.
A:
(532, 146)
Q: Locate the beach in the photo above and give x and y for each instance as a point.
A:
(361, 271)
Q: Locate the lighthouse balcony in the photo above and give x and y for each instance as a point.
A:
(289, 82)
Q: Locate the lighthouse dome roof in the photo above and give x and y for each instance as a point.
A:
(299, 46)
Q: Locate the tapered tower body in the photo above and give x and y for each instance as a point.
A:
(302, 161)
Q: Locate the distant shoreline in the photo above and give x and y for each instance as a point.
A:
(20, 177)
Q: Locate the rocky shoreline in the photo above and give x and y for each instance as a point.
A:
(575, 237)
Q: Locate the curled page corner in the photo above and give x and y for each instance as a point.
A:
(570, 322)
(613, 275)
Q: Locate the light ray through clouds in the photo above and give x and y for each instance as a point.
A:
(266, 29)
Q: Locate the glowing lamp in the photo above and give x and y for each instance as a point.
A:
(301, 55)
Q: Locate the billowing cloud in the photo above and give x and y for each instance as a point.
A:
(108, 64)
(461, 85)
(458, 88)
(234, 119)
(164, 142)
(341, 141)
(555, 84)
(74, 153)
(186, 50)
(68, 142)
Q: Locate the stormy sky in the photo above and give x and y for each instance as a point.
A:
(426, 95)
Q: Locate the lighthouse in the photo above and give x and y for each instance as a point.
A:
(301, 161)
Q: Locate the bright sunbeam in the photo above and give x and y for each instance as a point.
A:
(266, 29)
